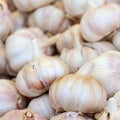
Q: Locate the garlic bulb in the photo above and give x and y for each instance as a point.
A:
(105, 69)
(42, 105)
(36, 77)
(77, 8)
(19, 47)
(53, 23)
(9, 97)
(6, 21)
(116, 40)
(20, 19)
(70, 116)
(78, 93)
(30, 5)
(98, 22)
(25, 114)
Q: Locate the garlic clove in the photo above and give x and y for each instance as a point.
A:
(97, 22)
(25, 114)
(42, 105)
(85, 92)
(8, 92)
(49, 22)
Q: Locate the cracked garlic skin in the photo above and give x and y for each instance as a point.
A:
(105, 69)
(77, 93)
(19, 47)
(77, 8)
(6, 21)
(70, 116)
(25, 114)
(98, 22)
(42, 105)
(30, 5)
(10, 98)
(53, 23)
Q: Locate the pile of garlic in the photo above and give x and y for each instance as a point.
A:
(59, 59)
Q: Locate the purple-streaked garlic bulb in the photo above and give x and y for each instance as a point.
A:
(53, 23)
(19, 47)
(24, 114)
(20, 19)
(70, 116)
(77, 8)
(78, 93)
(36, 77)
(42, 105)
(98, 22)
(10, 98)
(30, 5)
(105, 69)
(6, 21)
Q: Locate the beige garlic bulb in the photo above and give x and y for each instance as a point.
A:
(19, 47)
(105, 69)
(20, 19)
(24, 114)
(10, 98)
(36, 77)
(116, 40)
(98, 22)
(42, 105)
(77, 8)
(78, 93)
(6, 21)
(53, 23)
(70, 116)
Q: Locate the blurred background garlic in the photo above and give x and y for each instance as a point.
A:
(116, 40)
(70, 116)
(36, 77)
(20, 19)
(42, 105)
(114, 1)
(10, 98)
(77, 8)
(30, 5)
(98, 22)
(24, 114)
(6, 21)
(53, 23)
(78, 93)
(105, 69)
(19, 47)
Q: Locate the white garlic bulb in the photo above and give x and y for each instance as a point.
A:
(79, 93)
(36, 77)
(30, 5)
(42, 105)
(24, 114)
(19, 47)
(6, 21)
(116, 40)
(70, 116)
(9, 97)
(98, 22)
(77, 8)
(53, 23)
(105, 69)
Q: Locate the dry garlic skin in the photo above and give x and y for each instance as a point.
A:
(25, 114)
(42, 105)
(9, 97)
(53, 23)
(30, 5)
(77, 93)
(98, 22)
(6, 21)
(36, 77)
